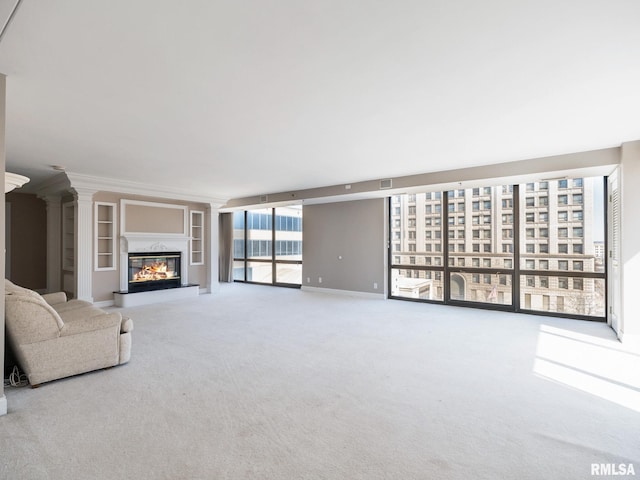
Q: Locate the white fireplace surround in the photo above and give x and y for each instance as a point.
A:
(134, 243)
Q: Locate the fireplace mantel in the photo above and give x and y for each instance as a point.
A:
(132, 243)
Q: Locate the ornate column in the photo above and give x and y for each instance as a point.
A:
(83, 201)
(54, 247)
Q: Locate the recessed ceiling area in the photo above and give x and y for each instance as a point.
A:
(232, 99)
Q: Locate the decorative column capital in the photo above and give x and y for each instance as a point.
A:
(51, 200)
(213, 207)
(83, 194)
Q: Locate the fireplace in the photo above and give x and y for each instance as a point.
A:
(153, 271)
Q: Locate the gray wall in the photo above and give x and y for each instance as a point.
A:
(28, 241)
(355, 231)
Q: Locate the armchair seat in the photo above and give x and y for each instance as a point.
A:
(54, 338)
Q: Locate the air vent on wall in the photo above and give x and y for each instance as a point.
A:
(385, 183)
(263, 199)
(552, 179)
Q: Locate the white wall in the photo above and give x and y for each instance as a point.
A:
(630, 242)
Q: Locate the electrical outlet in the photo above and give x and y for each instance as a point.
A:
(319, 279)
(308, 279)
(375, 286)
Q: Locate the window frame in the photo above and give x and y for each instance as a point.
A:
(269, 245)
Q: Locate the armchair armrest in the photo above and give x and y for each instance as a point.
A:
(127, 325)
(55, 298)
(91, 324)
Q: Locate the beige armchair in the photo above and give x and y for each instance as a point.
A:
(54, 338)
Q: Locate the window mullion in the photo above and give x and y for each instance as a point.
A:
(246, 215)
(515, 282)
(444, 220)
(273, 246)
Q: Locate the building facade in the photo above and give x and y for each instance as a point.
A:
(554, 246)
(267, 245)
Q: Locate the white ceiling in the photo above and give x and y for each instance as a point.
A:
(234, 98)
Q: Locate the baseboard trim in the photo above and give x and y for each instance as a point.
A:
(104, 304)
(3, 405)
(348, 293)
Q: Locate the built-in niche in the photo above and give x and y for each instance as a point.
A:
(105, 236)
(197, 237)
(68, 236)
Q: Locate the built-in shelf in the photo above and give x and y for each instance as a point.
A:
(105, 240)
(197, 237)
(68, 236)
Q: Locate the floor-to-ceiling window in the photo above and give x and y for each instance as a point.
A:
(536, 247)
(416, 246)
(268, 246)
(288, 245)
(562, 261)
(480, 253)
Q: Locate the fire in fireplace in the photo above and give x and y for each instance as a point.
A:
(153, 271)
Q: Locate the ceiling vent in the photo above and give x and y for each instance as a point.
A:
(263, 199)
(385, 184)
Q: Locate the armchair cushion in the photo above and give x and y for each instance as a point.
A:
(54, 298)
(98, 322)
(70, 305)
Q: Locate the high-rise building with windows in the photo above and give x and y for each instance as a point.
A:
(267, 245)
(555, 242)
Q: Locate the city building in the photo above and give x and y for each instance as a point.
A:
(269, 249)
(555, 238)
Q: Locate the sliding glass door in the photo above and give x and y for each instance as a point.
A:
(268, 246)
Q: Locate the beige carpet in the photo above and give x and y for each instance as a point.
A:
(268, 383)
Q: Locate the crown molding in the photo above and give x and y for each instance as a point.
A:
(52, 186)
(71, 181)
